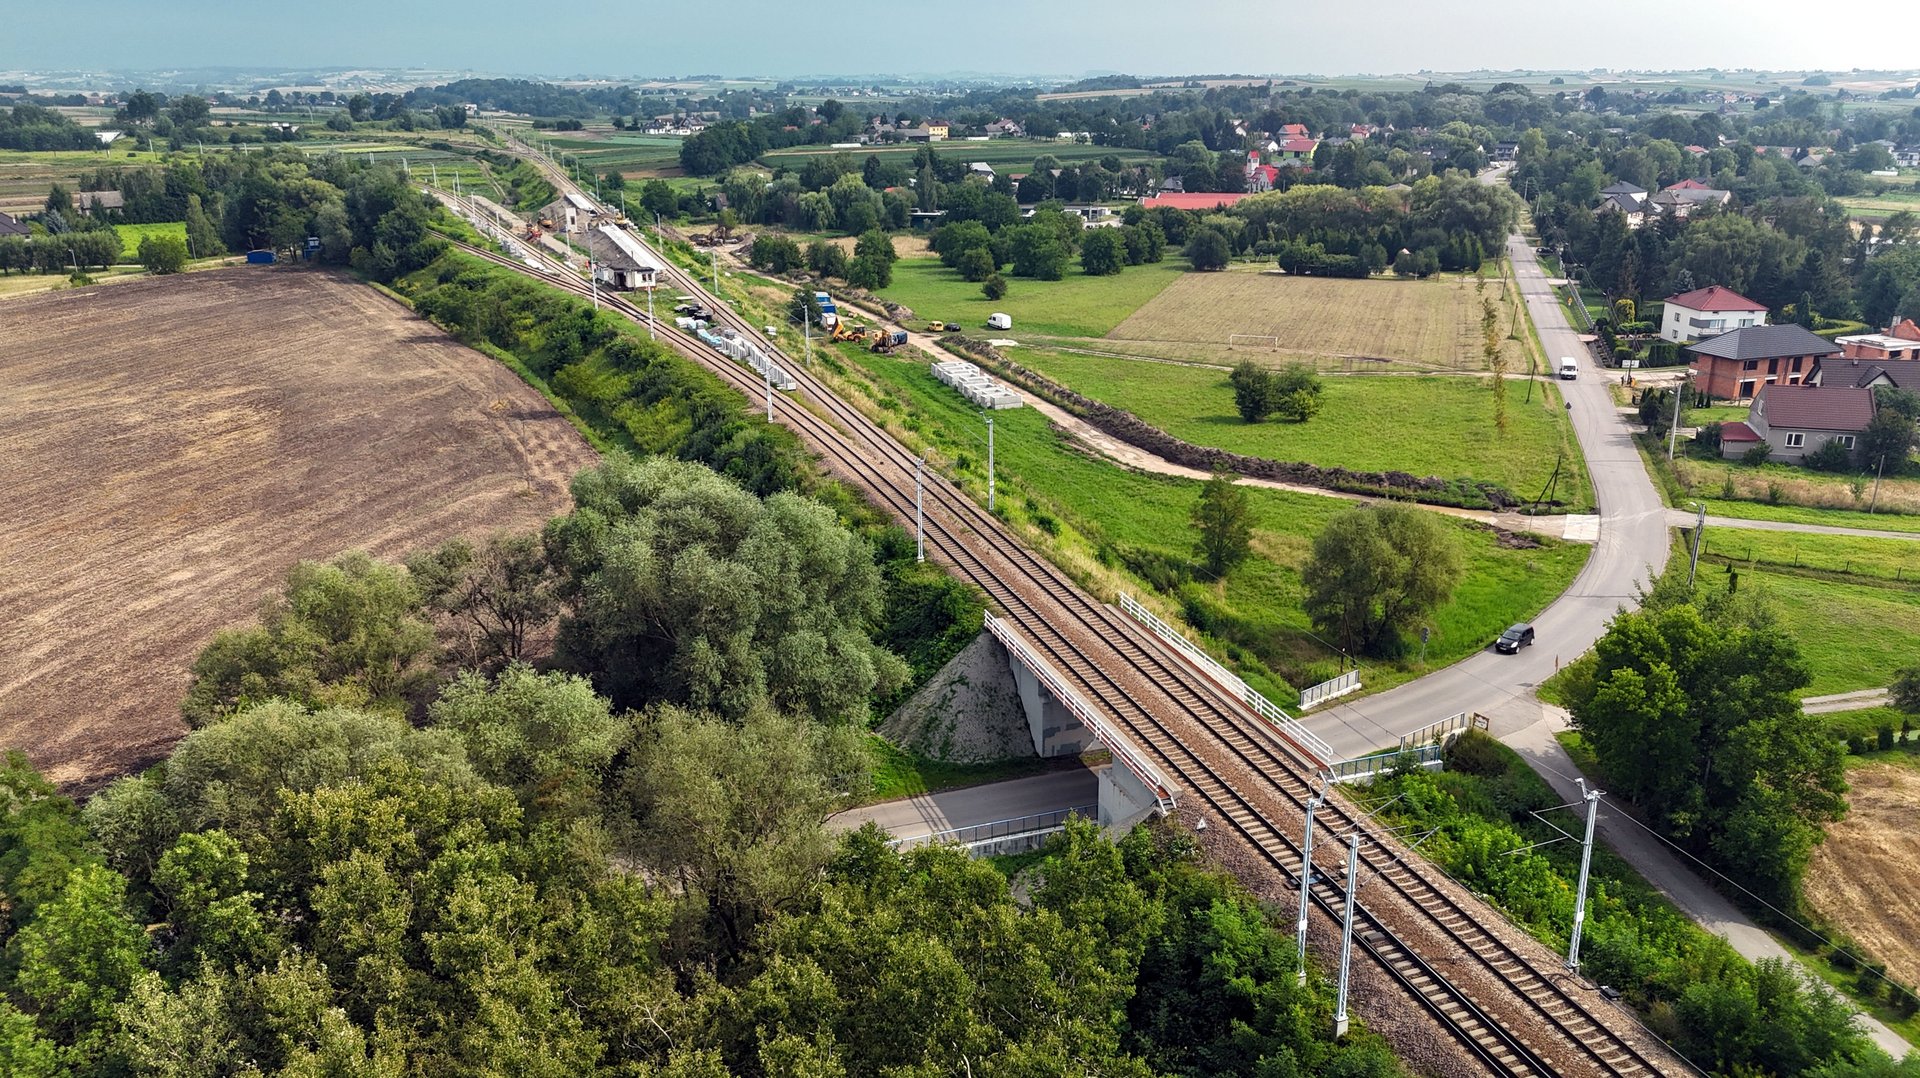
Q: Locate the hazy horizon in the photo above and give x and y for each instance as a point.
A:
(594, 38)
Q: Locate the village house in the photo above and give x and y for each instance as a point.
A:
(621, 262)
(1004, 128)
(89, 201)
(1626, 205)
(1795, 421)
(1704, 312)
(1871, 360)
(11, 227)
(1734, 365)
(1295, 150)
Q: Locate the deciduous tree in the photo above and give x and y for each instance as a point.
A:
(1222, 524)
(1376, 570)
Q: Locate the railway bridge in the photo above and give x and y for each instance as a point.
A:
(1189, 740)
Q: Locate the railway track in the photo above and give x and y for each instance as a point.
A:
(974, 543)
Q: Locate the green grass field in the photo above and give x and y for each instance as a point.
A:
(1077, 306)
(1854, 636)
(131, 235)
(1896, 560)
(1797, 514)
(1098, 519)
(1441, 425)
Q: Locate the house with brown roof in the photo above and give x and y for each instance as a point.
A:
(1704, 312)
(1796, 421)
(1737, 364)
(89, 201)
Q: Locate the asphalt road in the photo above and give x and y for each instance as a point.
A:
(925, 814)
(1633, 543)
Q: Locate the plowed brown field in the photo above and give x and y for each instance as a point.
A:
(1864, 877)
(172, 446)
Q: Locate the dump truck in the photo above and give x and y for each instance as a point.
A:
(886, 340)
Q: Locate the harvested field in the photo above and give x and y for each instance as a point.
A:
(1864, 877)
(175, 444)
(1432, 323)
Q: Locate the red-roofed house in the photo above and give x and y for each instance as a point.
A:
(1797, 420)
(1259, 177)
(1192, 200)
(1689, 185)
(1294, 130)
(1704, 312)
(1295, 150)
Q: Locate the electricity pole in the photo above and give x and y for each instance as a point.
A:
(1673, 435)
(1586, 858)
(1346, 937)
(989, 463)
(1699, 527)
(919, 517)
(1306, 881)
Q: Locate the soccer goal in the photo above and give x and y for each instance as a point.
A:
(1253, 340)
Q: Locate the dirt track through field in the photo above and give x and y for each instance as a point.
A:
(173, 446)
(1865, 876)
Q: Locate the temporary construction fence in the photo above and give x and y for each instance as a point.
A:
(976, 385)
(1304, 741)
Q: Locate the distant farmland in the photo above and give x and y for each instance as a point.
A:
(1432, 323)
(175, 444)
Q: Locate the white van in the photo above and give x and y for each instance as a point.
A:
(1568, 368)
(999, 321)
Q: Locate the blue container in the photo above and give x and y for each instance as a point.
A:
(260, 258)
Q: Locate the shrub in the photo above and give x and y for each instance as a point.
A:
(1474, 753)
(1622, 352)
(1708, 437)
(1830, 457)
(994, 287)
(1856, 745)
(1884, 737)
(1757, 455)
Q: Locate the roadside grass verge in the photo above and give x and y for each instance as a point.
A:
(1441, 425)
(1800, 514)
(1075, 306)
(1892, 560)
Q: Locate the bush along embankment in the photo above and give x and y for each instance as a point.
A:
(1462, 493)
(1484, 820)
(633, 394)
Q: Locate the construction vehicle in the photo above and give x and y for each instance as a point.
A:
(884, 341)
(843, 331)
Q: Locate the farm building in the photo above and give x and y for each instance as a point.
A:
(621, 262)
(88, 201)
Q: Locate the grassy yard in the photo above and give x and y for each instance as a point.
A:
(1777, 485)
(1078, 306)
(1110, 526)
(1440, 425)
(1434, 323)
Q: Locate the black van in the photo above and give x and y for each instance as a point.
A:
(1515, 638)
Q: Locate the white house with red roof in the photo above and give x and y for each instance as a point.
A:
(1705, 312)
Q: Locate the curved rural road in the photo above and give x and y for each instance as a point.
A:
(1633, 544)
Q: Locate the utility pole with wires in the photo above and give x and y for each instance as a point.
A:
(989, 462)
(919, 516)
(1586, 860)
(1340, 1020)
(1699, 529)
(1306, 879)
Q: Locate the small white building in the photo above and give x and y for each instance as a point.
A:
(1707, 312)
(621, 262)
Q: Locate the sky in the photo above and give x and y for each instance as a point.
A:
(1010, 37)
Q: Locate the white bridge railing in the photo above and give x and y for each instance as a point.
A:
(1306, 741)
(1435, 733)
(1123, 750)
(1314, 695)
